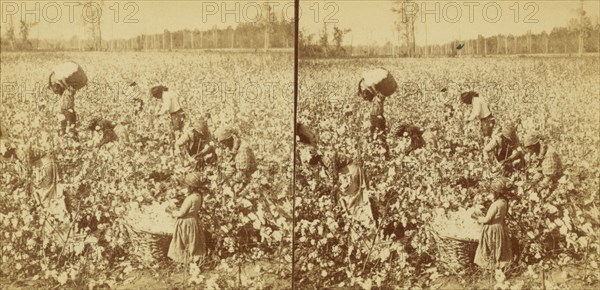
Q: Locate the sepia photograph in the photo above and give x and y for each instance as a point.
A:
(300, 144)
(146, 144)
(447, 145)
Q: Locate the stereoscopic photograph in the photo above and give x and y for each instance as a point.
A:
(146, 144)
(393, 144)
(447, 145)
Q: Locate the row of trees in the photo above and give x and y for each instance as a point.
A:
(559, 40)
(246, 35)
(580, 32)
(11, 41)
(323, 48)
(271, 31)
(579, 36)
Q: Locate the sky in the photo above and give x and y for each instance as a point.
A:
(373, 21)
(370, 21)
(122, 20)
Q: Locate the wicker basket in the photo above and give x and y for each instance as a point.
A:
(455, 254)
(150, 247)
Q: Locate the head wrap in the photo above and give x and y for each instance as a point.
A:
(510, 132)
(224, 133)
(499, 185)
(467, 97)
(531, 139)
(195, 179)
(157, 91)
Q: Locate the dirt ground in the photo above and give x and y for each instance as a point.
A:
(261, 276)
(566, 278)
(250, 276)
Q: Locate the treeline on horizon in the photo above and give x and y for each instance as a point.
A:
(260, 35)
(561, 40)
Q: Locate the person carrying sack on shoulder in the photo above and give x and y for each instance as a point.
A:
(374, 86)
(65, 80)
(480, 111)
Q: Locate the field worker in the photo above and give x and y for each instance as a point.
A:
(480, 111)
(237, 158)
(65, 80)
(42, 174)
(189, 242)
(543, 160)
(448, 112)
(141, 118)
(308, 158)
(414, 133)
(305, 135)
(3, 138)
(504, 148)
(495, 250)
(110, 131)
(350, 191)
(196, 140)
(375, 86)
(135, 95)
(378, 123)
(171, 105)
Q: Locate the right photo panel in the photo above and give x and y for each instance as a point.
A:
(447, 145)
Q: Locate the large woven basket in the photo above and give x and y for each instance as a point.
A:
(149, 247)
(455, 254)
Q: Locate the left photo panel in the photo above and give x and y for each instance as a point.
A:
(146, 144)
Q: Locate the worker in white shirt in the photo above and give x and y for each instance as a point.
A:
(481, 111)
(170, 104)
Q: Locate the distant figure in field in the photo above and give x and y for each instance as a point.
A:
(414, 133)
(480, 111)
(171, 105)
(111, 132)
